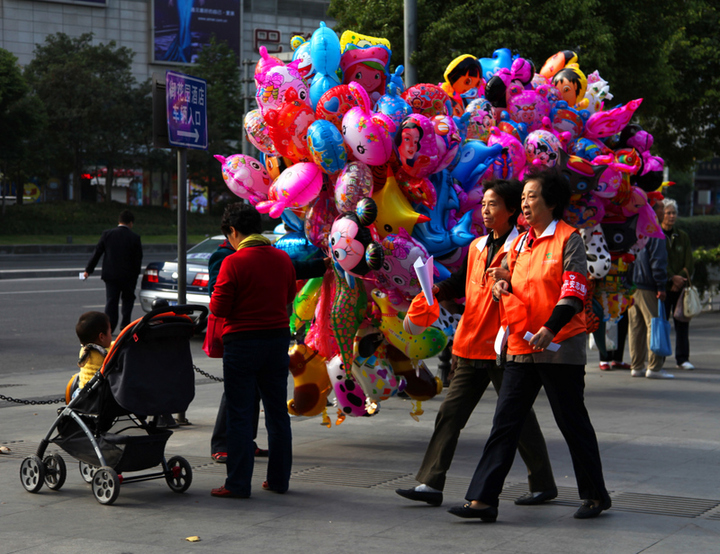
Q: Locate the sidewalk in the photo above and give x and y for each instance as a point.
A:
(659, 442)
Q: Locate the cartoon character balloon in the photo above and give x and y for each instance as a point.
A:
(351, 242)
(274, 85)
(367, 67)
(288, 127)
(334, 104)
(297, 186)
(354, 183)
(245, 177)
(367, 134)
(326, 146)
(417, 150)
(258, 133)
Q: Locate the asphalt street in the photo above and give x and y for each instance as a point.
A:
(659, 444)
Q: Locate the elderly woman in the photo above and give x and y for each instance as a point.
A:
(543, 302)
(679, 268)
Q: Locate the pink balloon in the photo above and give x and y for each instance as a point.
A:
(296, 187)
(610, 122)
(367, 134)
(245, 177)
(274, 86)
(258, 133)
(319, 219)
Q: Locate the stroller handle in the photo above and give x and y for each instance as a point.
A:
(185, 309)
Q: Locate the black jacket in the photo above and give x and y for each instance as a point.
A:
(123, 255)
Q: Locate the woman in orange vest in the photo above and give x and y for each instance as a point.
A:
(543, 304)
(474, 346)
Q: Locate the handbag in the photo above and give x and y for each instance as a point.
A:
(660, 333)
(679, 313)
(213, 345)
(692, 305)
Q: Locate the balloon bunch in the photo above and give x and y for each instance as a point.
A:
(376, 176)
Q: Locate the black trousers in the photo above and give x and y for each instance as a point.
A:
(682, 328)
(564, 386)
(218, 441)
(471, 379)
(114, 292)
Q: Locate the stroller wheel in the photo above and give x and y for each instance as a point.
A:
(86, 472)
(55, 471)
(105, 485)
(32, 473)
(179, 474)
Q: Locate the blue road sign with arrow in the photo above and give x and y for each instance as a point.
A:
(186, 110)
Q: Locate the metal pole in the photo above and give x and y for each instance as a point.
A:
(182, 225)
(692, 189)
(246, 103)
(410, 36)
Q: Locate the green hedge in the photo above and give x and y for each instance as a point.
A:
(85, 218)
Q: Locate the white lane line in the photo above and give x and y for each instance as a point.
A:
(50, 291)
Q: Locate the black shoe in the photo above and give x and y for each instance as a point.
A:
(589, 509)
(487, 515)
(534, 498)
(432, 498)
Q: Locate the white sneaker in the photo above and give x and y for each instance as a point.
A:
(637, 372)
(687, 366)
(660, 374)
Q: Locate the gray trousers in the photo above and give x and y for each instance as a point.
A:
(471, 379)
(641, 313)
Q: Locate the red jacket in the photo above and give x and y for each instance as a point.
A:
(253, 289)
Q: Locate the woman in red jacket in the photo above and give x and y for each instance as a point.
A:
(546, 288)
(252, 291)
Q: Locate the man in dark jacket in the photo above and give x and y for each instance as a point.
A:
(120, 269)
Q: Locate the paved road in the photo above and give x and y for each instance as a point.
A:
(659, 442)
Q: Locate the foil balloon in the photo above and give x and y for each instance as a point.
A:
(528, 106)
(429, 343)
(301, 52)
(371, 369)
(598, 255)
(354, 183)
(620, 235)
(334, 104)
(571, 82)
(447, 140)
(265, 64)
(481, 120)
(297, 186)
(501, 58)
(319, 219)
(397, 273)
(326, 146)
(392, 105)
(246, 177)
(394, 210)
(473, 161)
(297, 246)
(288, 128)
(367, 67)
(351, 242)
(348, 308)
(416, 146)
(511, 160)
(258, 133)
(426, 99)
(325, 54)
(556, 62)
(597, 92)
(350, 397)
(311, 382)
(275, 84)
(581, 175)
(568, 120)
(584, 210)
(610, 122)
(542, 149)
(305, 303)
(367, 135)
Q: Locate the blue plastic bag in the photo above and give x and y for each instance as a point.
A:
(660, 333)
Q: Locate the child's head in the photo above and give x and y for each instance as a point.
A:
(94, 327)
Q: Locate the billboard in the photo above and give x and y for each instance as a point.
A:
(182, 27)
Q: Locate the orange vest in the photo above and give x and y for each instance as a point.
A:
(537, 279)
(475, 335)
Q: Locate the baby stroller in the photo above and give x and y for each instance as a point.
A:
(111, 425)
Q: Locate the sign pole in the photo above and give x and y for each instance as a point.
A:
(182, 225)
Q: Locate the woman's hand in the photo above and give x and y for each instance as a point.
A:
(498, 274)
(500, 288)
(541, 339)
(678, 283)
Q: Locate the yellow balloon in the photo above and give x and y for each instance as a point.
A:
(394, 210)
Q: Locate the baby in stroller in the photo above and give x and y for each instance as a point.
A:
(95, 334)
(109, 426)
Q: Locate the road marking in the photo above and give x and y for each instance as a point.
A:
(50, 291)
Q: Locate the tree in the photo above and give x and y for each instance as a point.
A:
(86, 91)
(21, 121)
(218, 65)
(666, 52)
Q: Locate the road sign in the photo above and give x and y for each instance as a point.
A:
(186, 98)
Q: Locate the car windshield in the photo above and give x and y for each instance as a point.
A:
(204, 250)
